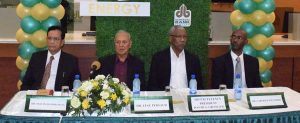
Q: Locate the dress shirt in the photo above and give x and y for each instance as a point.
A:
(178, 78)
(234, 56)
(53, 72)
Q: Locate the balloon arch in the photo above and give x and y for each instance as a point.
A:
(36, 17)
(256, 18)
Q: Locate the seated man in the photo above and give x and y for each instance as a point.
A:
(122, 64)
(224, 67)
(174, 65)
(52, 68)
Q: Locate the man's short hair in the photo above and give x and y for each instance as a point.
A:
(123, 31)
(57, 28)
(173, 28)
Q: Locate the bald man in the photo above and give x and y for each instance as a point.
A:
(122, 64)
(223, 68)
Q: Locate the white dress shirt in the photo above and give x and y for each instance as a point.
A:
(178, 78)
(234, 56)
(53, 71)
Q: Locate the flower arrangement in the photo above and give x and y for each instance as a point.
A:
(100, 95)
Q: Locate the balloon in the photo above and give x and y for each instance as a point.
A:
(21, 63)
(249, 28)
(267, 84)
(268, 54)
(249, 50)
(266, 76)
(247, 6)
(267, 6)
(38, 39)
(270, 17)
(236, 5)
(21, 36)
(30, 25)
(267, 29)
(270, 64)
(259, 42)
(51, 21)
(51, 3)
(22, 74)
(258, 1)
(237, 18)
(58, 12)
(258, 18)
(29, 3)
(26, 49)
(262, 65)
(40, 12)
(22, 11)
(19, 84)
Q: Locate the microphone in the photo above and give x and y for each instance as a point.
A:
(94, 66)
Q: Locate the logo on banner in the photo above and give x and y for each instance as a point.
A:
(183, 16)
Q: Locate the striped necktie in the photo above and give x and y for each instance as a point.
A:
(47, 73)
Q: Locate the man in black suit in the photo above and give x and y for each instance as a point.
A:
(223, 67)
(62, 68)
(122, 64)
(174, 65)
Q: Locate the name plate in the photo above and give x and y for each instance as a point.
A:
(201, 103)
(152, 104)
(48, 104)
(266, 100)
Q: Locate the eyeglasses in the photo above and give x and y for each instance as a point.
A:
(53, 39)
(179, 36)
(236, 37)
(121, 42)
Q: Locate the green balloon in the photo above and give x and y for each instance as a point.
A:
(267, 6)
(51, 3)
(249, 50)
(266, 76)
(235, 28)
(51, 21)
(26, 49)
(30, 3)
(236, 5)
(247, 6)
(30, 25)
(22, 74)
(249, 28)
(267, 29)
(267, 54)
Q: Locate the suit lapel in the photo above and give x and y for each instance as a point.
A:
(229, 66)
(246, 67)
(60, 70)
(168, 65)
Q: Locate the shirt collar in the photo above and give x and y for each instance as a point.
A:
(56, 55)
(182, 54)
(234, 56)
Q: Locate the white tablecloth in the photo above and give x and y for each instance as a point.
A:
(17, 104)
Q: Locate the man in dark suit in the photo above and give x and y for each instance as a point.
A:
(223, 68)
(122, 64)
(174, 65)
(44, 73)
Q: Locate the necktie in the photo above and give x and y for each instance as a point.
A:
(46, 73)
(238, 69)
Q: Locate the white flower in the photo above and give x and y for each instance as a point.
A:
(125, 93)
(100, 77)
(105, 81)
(119, 102)
(105, 86)
(75, 102)
(116, 80)
(108, 102)
(86, 86)
(104, 94)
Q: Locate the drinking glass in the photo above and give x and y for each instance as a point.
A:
(64, 90)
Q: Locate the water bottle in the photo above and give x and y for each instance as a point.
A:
(238, 87)
(76, 83)
(193, 84)
(136, 85)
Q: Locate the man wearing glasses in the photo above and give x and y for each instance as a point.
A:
(52, 68)
(226, 66)
(173, 66)
(122, 64)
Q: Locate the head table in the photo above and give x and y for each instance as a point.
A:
(239, 110)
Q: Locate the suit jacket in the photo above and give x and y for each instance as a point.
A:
(160, 70)
(134, 65)
(222, 71)
(66, 71)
